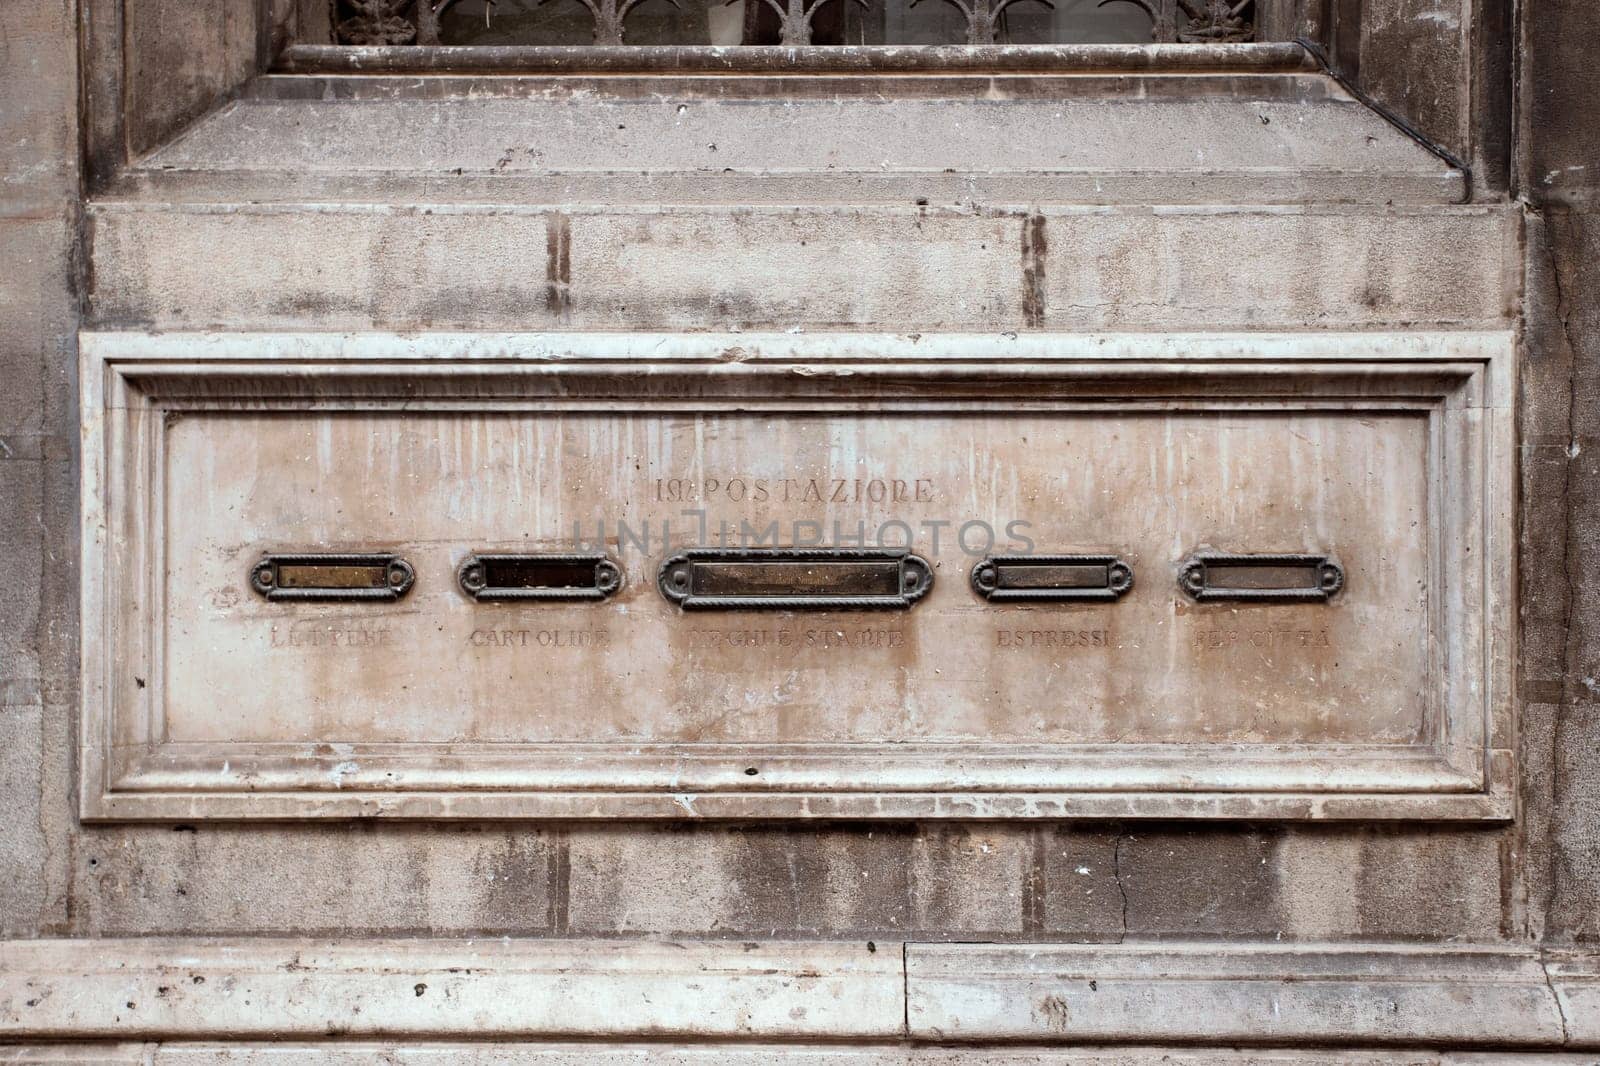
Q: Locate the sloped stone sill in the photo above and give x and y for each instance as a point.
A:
(849, 993)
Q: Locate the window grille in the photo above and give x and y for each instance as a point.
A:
(789, 22)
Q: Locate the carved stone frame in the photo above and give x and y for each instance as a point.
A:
(1460, 382)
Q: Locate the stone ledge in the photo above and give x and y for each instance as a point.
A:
(123, 989)
(1233, 993)
(322, 267)
(375, 1053)
(678, 148)
(1278, 995)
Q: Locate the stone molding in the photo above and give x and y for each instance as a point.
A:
(136, 386)
(702, 992)
(388, 1053)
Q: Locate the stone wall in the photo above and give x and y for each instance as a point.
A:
(1528, 263)
(40, 218)
(1560, 175)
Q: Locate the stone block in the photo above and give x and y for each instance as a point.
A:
(26, 852)
(1084, 897)
(283, 266)
(1289, 994)
(1350, 882)
(312, 880)
(862, 882)
(1573, 914)
(1202, 882)
(1412, 56)
(38, 564)
(38, 109)
(38, 351)
(179, 61)
(1258, 269)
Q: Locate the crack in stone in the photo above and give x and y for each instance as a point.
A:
(1561, 1012)
(1122, 890)
(1571, 652)
(1563, 314)
(905, 990)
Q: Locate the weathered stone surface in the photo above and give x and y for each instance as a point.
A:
(1016, 146)
(983, 993)
(438, 668)
(476, 268)
(971, 877)
(1575, 980)
(179, 62)
(1210, 266)
(332, 880)
(24, 846)
(38, 564)
(368, 1053)
(79, 1054)
(1574, 887)
(37, 478)
(284, 267)
(38, 97)
(651, 676)
(38, 520)
(1251, 269)
(1561, 555)
(22, 551)
(881, 881)
(1561, 84)
(500, 1054)
(473, 988)
(1073, 891)
(1206, 882)
(37, 349)
(1416, 886)
(1412, 53)
(1561, 415)
(1379, 883)
(1560, 168)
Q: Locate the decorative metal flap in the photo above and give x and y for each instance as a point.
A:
(845, 579)
(1263, 578)
(359, 576)
(555, 576)
(1051, 578)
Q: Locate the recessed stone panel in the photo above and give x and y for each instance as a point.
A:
(981, 579)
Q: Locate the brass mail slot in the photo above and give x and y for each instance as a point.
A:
(1051, 578)
(1264, 578)
(795, 579)
(362, 576)
(552, 576)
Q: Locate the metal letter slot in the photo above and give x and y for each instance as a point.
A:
(817, 579)
(1051, 578)
(540, 576)
(1210, 576)
(365, 576)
